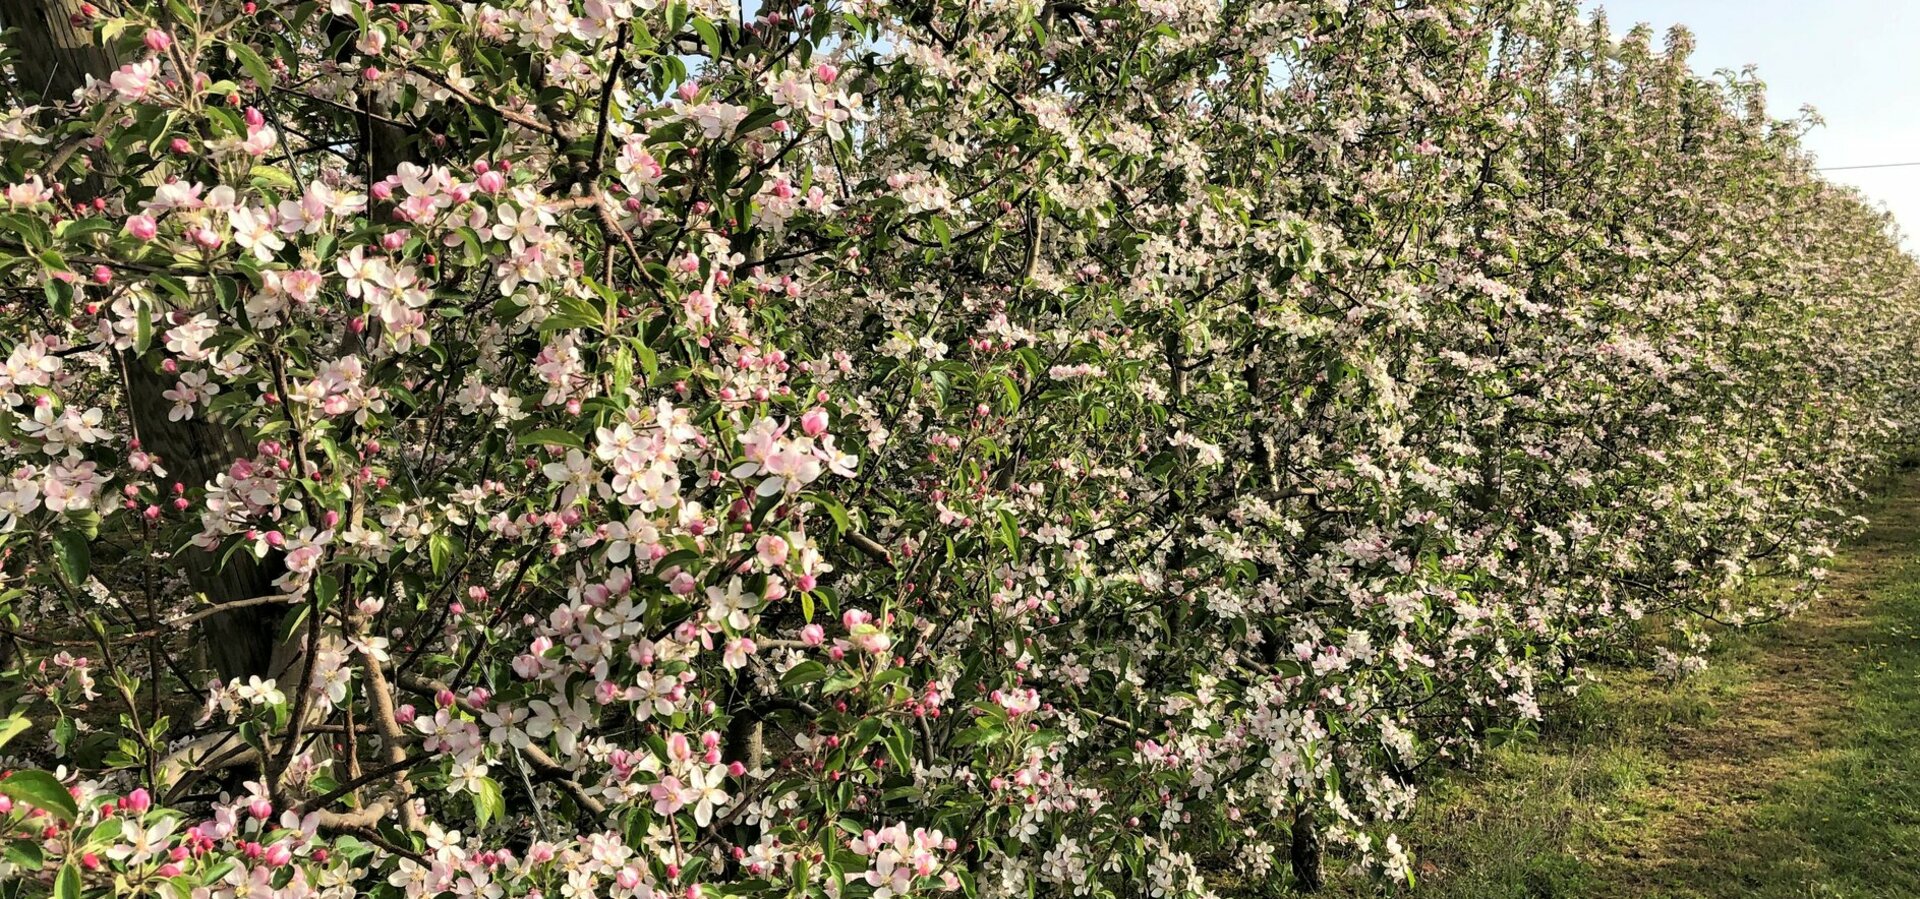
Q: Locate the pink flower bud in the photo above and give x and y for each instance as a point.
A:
(260, 809)
(814, 423)
(179, 145)
(142, 227)
(102, 275)
(158, 41)
(139, 801)
(492, 182)
(279, 855)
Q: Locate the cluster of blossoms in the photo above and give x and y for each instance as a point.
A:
(876, 449)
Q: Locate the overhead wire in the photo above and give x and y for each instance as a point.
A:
(1883, 165)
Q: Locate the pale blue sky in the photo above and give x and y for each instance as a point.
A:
(1856, 61)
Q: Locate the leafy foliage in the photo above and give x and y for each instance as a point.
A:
(873, 449)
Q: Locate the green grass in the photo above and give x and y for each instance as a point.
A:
(1850, 826)
(1790, 768)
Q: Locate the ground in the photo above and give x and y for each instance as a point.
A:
(1791, 768)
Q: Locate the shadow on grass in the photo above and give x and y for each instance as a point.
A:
(1791, 768)
(1850, 825)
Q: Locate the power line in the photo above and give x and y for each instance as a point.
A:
(1884, 165)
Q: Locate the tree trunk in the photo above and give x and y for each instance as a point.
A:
(1306, 853)
(194, 452)
(54, 59)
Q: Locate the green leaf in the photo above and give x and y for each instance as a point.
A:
(60, 296)
(106, 833)
(983, 735)
(269, 176)
(862, 736)
(251, 61)
(143, 330)
(326, 587)
(440, 551)
(77, 230)
(26, 854)
(66, 884)
(804, 673)
(1012, 391)
(708, 34)
(488, 802)
(13, 727)
(841, 523)
(1010, 533)
(40, 789)
(899, 747)
(757, 119)
(70, 550)
(554, 437)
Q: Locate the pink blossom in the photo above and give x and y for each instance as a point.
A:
(133, 80)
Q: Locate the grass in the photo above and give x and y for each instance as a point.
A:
(1791, 768)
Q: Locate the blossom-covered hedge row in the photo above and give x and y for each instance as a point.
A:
(871, 448)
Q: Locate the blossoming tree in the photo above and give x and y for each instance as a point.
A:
(649, 448)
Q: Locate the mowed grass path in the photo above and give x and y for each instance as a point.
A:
(1790, 769)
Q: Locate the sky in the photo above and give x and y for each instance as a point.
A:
(1856, 61)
